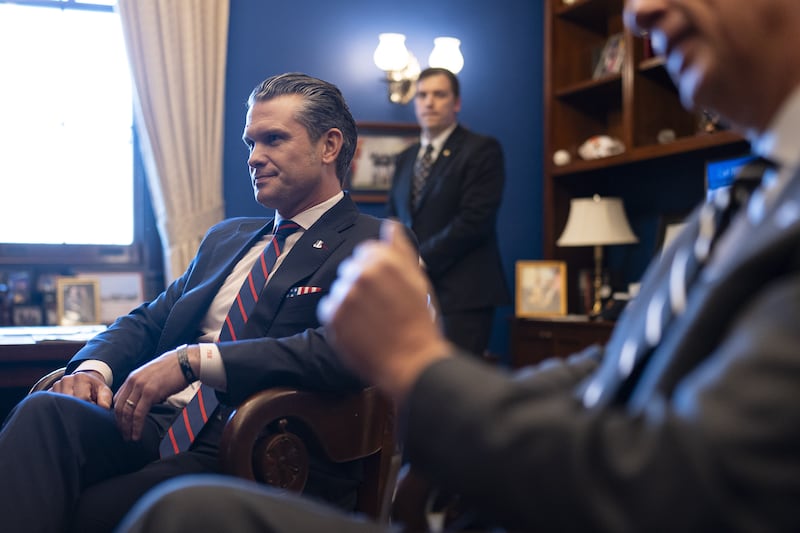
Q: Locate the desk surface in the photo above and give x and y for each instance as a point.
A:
(33, 335)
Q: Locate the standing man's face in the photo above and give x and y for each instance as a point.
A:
(435, 104)
(288, 171)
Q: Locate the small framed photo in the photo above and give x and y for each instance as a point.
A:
(372, 169)
(77, 301)
(541, 288)
(28, 315)
(611, 57)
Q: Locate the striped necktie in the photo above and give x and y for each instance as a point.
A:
(195, 414)
(422, 169)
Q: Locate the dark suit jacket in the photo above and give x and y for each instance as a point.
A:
(456, 220)
(703, 436)
(285, 343)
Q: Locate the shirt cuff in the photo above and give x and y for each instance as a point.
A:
(97, 366)
(212, 370)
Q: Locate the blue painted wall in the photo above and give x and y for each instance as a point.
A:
(501, 87)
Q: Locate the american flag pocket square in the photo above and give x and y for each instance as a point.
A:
(299, 291)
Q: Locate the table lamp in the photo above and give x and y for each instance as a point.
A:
(596, 221)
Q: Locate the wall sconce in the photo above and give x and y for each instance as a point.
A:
(402, 68)
(596, 221)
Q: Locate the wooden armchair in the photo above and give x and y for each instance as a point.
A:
(268, 437)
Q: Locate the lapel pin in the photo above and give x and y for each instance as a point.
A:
(318, 245)
(446, 152)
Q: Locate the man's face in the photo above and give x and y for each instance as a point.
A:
(286, 168)
(435, 104)
(725, 55)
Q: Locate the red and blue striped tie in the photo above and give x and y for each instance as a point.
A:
(195, 414)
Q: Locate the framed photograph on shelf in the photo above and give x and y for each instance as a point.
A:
(77, 301)
(372, 169)
(611, 57)
(541, 288)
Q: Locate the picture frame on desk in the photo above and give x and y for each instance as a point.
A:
(27, 315)
(541, 289)
(77, 301)
(372, 169)
(120, 293)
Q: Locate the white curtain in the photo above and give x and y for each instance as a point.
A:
(177, 52)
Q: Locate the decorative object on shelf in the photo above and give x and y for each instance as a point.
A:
(665, 136)
(710, 122)
(611, 57)
(597, 221)
(402, 67)
(561, 158)
(599, 146)
(541, 288)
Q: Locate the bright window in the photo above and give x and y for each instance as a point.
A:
(66, 126)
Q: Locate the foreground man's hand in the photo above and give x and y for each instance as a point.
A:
(377, 314)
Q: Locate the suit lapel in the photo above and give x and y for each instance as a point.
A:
(306, 257)
(210, 275)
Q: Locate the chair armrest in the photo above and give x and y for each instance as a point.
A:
(46, 381)
(265, 438)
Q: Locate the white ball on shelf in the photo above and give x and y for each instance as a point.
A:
(561, 157)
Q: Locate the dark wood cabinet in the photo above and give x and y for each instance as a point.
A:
(533, 340)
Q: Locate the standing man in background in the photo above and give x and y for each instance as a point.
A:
(448, 189)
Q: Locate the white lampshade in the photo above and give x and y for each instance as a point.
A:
(446, 54)
(596, 221)
(391, 53)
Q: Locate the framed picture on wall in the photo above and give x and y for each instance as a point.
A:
(77, 301)
(541, 288)
(379, 144)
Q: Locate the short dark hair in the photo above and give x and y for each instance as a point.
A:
(324, 108)
(432, 71)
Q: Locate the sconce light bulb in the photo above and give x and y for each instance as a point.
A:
(446, 54)
(391, 53)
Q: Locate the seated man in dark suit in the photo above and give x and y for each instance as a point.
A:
(85, 452)
(687, 420)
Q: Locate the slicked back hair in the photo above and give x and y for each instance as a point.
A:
(323, 108)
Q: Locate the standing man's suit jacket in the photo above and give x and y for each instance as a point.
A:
(455, 222)
(284, 344)
(704, 435)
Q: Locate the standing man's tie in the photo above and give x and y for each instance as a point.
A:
(422, 169)
(195, 414)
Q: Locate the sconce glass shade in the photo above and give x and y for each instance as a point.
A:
(447, 54)
(596, 221)
(391, 54)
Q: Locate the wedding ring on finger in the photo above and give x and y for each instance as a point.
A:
(130, 404)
